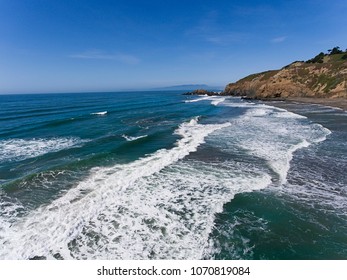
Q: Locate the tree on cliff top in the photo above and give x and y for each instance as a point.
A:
(335, 50)
(320, 57)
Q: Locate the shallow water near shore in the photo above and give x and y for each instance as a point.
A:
(159, 175)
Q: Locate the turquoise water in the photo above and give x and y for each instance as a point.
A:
(159, 175)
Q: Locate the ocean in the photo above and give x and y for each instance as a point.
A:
(161, 175)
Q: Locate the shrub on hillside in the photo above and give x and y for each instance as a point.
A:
(317, 59)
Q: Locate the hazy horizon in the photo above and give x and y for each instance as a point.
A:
(187, 87)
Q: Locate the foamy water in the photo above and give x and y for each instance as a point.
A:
(20, 149)
(133, 138)
(274, 134)
(161, 203)
(67, 216)
(215, 100)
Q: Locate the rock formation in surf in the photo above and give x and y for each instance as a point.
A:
(200, 92)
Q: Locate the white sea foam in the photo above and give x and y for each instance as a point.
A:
(239, 104)
(215, 99)
(169, 214)
(133, 138)
(274, 134)
(287, 115)
(20, 149)
(159, 206)
(100, 113)
(258, 112)
(204, 97)
(121, 211)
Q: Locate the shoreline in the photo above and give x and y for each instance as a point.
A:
(340, 103)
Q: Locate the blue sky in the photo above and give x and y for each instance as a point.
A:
(104, 45)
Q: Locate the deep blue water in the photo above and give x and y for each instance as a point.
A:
(160, 175)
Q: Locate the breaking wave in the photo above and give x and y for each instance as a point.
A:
(21, 149)
(133, 138)
(100, 113)
(99, 214)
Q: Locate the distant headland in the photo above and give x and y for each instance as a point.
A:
(191, 87)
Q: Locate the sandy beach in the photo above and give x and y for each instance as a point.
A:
(333, 102)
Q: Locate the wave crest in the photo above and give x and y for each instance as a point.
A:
(21, 149)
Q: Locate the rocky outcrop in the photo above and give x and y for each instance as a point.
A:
(200, 92)
(328, 78)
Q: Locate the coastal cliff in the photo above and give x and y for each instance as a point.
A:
(324, 76)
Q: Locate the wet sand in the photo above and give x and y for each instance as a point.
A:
(332, 102)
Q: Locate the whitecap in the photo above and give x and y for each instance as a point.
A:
(217, 101)
(204, 97)
(133, 138)
(21, 149)
(100, 113)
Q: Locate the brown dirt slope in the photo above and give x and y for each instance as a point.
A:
(324, 79)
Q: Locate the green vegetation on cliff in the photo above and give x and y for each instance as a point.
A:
(325, 75)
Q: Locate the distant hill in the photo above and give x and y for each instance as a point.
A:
(325, 75)
(189, 87)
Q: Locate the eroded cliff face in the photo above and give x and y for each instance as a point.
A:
(299, 79)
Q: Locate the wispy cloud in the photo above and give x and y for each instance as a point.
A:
(217, 36)
(225, 38)
(100, 55)
(209, 29)
(278, 39)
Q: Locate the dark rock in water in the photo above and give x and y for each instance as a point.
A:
(201, 92)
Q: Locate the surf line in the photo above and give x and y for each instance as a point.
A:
(99, 113)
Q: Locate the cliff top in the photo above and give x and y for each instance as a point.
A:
(325, 75)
